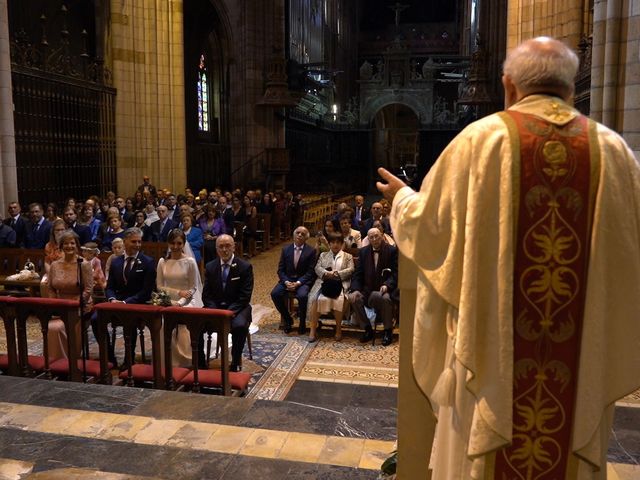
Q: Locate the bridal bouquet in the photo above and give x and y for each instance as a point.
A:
(160, 299)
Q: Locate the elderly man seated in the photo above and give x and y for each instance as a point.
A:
(375, 278)
(296, 275)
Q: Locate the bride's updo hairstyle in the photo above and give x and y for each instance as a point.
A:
(175, 233)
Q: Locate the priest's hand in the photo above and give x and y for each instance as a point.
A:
(392, 186)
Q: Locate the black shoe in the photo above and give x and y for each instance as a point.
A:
(367, 336)
(387, 338)
(235, 368)
(288, 326)
(302, 328)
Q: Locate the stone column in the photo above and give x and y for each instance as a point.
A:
(9, 181)
(146, 52)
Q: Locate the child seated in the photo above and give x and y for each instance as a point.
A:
(90, 253)
(117, 247)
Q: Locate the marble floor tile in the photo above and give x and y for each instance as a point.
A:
(192, 435)
(374, 454)
(264, 443)
(303, 447)
(292, 417)
(158, 432)
(360, 422)
(344, 452)
(228, 439)
(14, 469)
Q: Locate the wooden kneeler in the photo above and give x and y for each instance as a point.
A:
(197, 321)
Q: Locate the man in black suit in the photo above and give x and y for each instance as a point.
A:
(296, 274)
(225, 213)
(39, 229)
(18, 222)
(84, 233)
(373, 282)
(158, 230)
(376, 214)
(132, 278)
(127, 217)
(360, 214)
(228, 285)
(7, 235)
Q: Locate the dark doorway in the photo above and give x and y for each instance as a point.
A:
(206, 96)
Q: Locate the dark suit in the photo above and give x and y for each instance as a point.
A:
(20, 226)
(155, 234)
(367, 280)
(38, 237)
(84, 233)
(304, 273)
(7, 236)
(364, 216)
(235, 295)
(227, 217)
(136, 288)
(368, 225)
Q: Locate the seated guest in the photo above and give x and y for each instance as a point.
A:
(159, 229)
(7, 235)
(334, 269)
(139, 219)
(295, 274)
(151, 214)
(18, 222)
(90, 252)
(63, 283)
(117, 249)
(265, 205)
(39, 229)
(376, 214)
(132, 278)
(52, 212)
(352, 237)
(224, 210)
(250, 222)
(51, 250)
(138, 201)
(360, 214)
(125, 214)
(212, 227)
(70, 217)
(194, 237)
(91, 221)
(386, 237)
(228, 285)
(115, 231)
(322, 242)
(375, 278)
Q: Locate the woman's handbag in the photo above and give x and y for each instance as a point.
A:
(331, 288)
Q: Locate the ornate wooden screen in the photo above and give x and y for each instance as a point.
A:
(64, 111)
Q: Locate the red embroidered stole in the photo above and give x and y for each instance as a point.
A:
(554, 213)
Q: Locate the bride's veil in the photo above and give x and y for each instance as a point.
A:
(196, 301)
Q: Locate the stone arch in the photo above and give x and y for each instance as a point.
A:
(413, 102)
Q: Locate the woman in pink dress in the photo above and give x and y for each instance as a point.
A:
(63, 283)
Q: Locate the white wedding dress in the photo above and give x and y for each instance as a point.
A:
(173, 276)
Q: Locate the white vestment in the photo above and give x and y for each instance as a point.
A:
(459, 230)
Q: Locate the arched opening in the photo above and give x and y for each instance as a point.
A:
(206, 95)
(396, 141)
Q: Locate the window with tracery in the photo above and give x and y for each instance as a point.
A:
(203, 96)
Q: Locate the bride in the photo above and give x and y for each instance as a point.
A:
(178, 275)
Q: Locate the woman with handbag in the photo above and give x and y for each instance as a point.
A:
(334, 270)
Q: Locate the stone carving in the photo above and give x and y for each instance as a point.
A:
(366, 71)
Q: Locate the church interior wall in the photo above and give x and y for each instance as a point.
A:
(147, 60)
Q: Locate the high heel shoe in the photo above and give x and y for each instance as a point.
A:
(313, 339)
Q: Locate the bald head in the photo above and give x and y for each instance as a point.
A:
(539, 65)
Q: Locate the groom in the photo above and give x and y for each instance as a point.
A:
(228, 285)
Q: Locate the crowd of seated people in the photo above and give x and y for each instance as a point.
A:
(102, 226)
(351, 268)
(330, 283)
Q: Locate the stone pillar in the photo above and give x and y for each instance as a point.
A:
(148, 71)
(9, 181)
(416, 422)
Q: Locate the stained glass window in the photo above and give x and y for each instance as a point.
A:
(203, 96)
